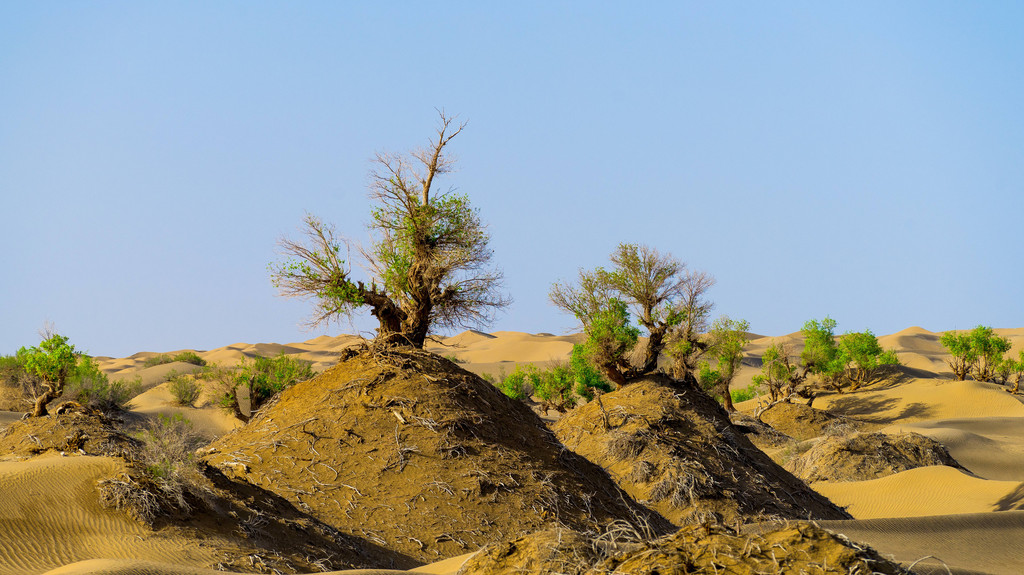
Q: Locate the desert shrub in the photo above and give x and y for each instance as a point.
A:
(185, 389)
(185, 356)
(190, 357)
(745, 394)
(15, 377)
(454, 358)
(168, 458)
(264, 377)
(157, 360)
(517, 384)
(586, 375)
(90, 386)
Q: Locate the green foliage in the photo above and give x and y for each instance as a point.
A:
(267, 376)
(745, 394)
(990, 349)
(518, 384)
(185, 356)
(977, 352)
(610, 334)
(725, 344)
(90, 386)
(821, 353)
(778, 375)
(863, 358)
(53, 361)
(185, 389)
(558, 387)
(586, 375)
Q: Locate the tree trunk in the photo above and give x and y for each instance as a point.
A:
(42, 401)
(655, 343)
(727, 398)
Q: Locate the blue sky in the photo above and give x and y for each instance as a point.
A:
(862, 160)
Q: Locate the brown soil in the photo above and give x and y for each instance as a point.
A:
(420, 456)
(763, 436)
(801, 422)
(70, 428)
(868, 456)
(795, 548)
(676, 451)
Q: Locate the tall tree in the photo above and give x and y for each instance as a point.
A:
(429, 260)
(53, 361)
(725, 344)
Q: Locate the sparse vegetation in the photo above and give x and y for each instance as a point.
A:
(978, 352)
(185, 357)
(185, 389)
(170, 475)
(725, 344)
(262, 378)
(429, 262)
(90, 386)
(560, 386)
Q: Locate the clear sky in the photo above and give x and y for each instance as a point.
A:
(863, 160)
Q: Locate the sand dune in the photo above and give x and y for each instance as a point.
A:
(208, 418)
(936, 490)
(50, 516)
(991, 447)
(925, 399)
(985, 542)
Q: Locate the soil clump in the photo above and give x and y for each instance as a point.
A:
(675, 450)
(408, 450)
(866, 456)
(802, 422)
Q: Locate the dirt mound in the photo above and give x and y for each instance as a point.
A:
(71, 428)
(801, 422)
(797, 548)
(868, 456)
(762, 435)
(676, 451)
(420, 456)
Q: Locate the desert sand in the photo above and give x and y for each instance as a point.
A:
(51, 520)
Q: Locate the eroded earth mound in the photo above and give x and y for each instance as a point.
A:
(795, 548)
(676, 451)
(801, 421)
(410, 451)
(864, 456)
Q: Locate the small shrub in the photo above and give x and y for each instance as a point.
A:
(190, 357)
(264, 377)
(157, 360)
(185, 389)
(168, 459)
(185, 356)
(746, 394)
(516, 384)
(90, 386)
(455, 359)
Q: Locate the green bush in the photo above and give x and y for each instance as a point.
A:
(517, 384)
(185, 389)
(587, 376)
(264, 377)
(90, 386)
(157, 360)
(185, 356)
(863, 358)
(746, 394)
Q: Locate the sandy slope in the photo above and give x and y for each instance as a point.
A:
(50, 516)
(142, 567)
(986, 542)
